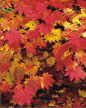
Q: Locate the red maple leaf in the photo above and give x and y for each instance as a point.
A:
(75, 72)
(61, 62)
(24, 95)
(23, 8)
(81, 3)
(33, 34)
(47, 80)
(45, 28)
(4, 66)
(5, 87)
(19, 95)
(31, 88)
(13, 38)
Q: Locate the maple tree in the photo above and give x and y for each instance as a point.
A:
(37, 36)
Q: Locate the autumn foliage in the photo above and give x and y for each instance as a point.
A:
(37, 36)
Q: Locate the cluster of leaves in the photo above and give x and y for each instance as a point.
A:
(35, 36)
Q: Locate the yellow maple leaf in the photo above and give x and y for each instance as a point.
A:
(68, 11)
(45, 54)
(51, 61)
(31, 25)
(82, 93)
(52, 103)
(79, 54)
(76, 19)
(4, 24)
(9, 78)
(84, 34)
(61, 91)
(65, 54)
(73, 26)
(66, 24)
(83, 13)
(55, 35)
(42, 83)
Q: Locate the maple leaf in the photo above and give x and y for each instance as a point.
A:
(18, 74)
(30, 48)
(64, 48)
(19, 95)
(77, 104)
(41, 6)
(22, 8)
(32, 86)
(55, 35)
(39, 42)
(75, 72)
(5, 87)
(13, 38)
(4, 24)
(63, 55)
(28, 95)
(80, 43)
(81, 57)
(82, 93)
(84, 34)
(51, 61)
(51, 18)
(45, 28)
(31, 25)
(2, 42)
(4, 62)
(81, 3)
(46, 54)
(33, 35)
(4, 66)
(56, 3)
(47, 81)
